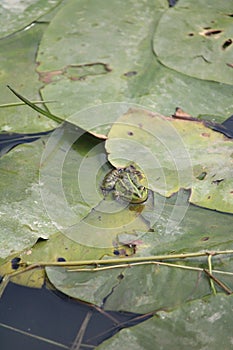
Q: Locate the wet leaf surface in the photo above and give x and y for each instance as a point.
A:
(203, 40)
(96, 66)
(197, 325)
(16, 15)
(18, 70)
(175, 154)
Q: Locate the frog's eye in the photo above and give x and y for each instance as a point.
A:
(130, 169)
(120, 170)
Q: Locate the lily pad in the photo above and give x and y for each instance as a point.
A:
(31, 204)
(72, 169)
(196, 325)
(176, 154)
(23, 218)
(82, 76)
(56, 248)
(138, 289)
(16, 15)
(203, 39)
(145, 288)
(19, 61)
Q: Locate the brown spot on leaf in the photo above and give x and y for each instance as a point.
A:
(130, 133)
(205, 134)
(47, 77)
(180, 114)
(130, 74)
(205, 239)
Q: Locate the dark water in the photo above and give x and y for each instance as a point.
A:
(27, 313)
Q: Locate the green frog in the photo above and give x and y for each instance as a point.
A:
(125, 183)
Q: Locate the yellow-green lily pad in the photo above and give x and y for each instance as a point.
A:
(203, 39)
(176, 154)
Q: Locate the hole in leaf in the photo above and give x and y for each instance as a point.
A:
(217, 182)
(172, 3)
(226, 44)
(202, 175)
(60, 259)
(15, 263)
(212, 32)
(120, 277)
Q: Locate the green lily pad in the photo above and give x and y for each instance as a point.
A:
(145, 288)
(23, 218)
(57, 246)
(186, 228)
(138, 289)
(19, 61)
(203, 39)
(87, 72)
(16, 15)
(196, 325)
(48, 184)
(176, 154)
(72, 169)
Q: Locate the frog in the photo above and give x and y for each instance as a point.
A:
(125, 183)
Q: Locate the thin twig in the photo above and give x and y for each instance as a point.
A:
(221, 284)
(78, 339)
(156, 259)
(126, 260)
(15, 104)
(210, 271)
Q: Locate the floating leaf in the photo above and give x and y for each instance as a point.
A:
(16, 15)
(19, 61)
(104, 62)
(23, 218)
(196, 325)
(175, 154)
(145, 288)
(203, 39)
(62, 196)
(57, 247)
